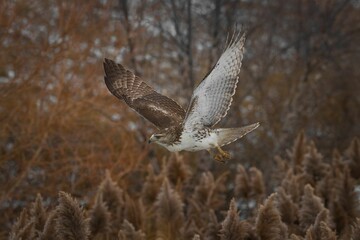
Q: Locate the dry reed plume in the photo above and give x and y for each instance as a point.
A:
(172, 209)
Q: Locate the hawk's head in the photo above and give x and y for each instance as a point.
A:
(166, 137)
(157, 137)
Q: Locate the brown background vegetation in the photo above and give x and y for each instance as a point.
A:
(61, 128)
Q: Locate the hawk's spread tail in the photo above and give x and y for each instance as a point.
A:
(229, 135)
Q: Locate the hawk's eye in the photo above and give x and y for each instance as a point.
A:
(158, 136)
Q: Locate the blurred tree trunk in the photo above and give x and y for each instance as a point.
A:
(189, 51)
(124, 8)
(183, 39)
(214, 33)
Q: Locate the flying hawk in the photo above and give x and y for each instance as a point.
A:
(191, 130)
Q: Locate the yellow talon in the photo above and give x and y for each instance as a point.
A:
(219, 157)
(224, 154)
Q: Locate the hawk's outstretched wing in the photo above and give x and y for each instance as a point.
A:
(158, 109)
(212, 98)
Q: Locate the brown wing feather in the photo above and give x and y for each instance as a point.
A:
(160, 110)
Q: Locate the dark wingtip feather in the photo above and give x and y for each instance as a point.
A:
(108, 61)
(110, 69)
(110, 66)
(106, 64)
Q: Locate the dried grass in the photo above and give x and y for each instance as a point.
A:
(100, 217)
(192, 206)
(169, 214)
(70, 222)
(128, 232)
(268, 222)
(232, 228)
(311, 206)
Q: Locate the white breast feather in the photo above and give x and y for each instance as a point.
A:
(188, 142)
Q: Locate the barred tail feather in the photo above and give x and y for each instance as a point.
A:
(229, 135)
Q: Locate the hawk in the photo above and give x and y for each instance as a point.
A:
(190, 130)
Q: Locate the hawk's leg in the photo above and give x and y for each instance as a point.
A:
(223, 153)
(217, 156)
(221, 156)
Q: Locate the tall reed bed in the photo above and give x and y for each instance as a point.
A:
(308, 197)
